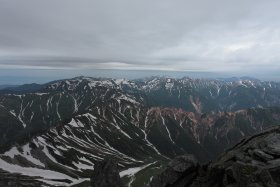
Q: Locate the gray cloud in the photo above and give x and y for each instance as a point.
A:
(204, 35)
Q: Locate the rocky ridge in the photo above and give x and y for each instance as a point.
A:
(254, 161)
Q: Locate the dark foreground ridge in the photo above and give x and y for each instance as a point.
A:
(253, 162)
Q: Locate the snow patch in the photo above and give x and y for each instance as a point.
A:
(133, 171)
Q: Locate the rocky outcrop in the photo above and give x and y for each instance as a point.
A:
(253, 162)
(179, 172)
(106, 174)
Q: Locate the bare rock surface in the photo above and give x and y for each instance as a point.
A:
(253, 162)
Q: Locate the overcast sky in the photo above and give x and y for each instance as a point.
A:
(187, 35)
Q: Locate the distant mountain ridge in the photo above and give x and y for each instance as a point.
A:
(7, 86)
(20, 89)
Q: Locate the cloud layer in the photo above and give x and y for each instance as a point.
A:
(189, 35)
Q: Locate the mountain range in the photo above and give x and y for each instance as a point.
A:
(54, 133)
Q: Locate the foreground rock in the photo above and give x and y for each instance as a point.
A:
(253, 162)
(106, 174)
(179, 172)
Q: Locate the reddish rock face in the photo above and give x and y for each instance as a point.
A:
(224, 128)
